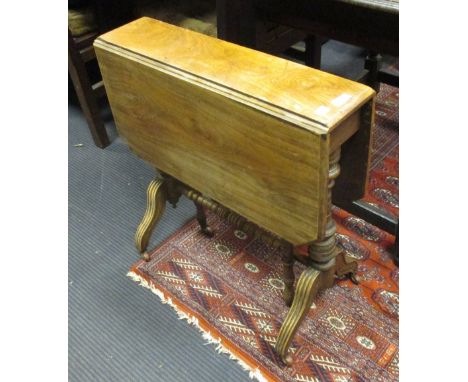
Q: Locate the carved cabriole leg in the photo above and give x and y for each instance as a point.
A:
(317, 276)
(156, 202)
(306, 290)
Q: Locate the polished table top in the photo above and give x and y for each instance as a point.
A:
(316, 99)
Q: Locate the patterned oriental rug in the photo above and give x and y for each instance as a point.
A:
(230, 287)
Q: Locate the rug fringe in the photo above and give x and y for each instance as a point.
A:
(254, 373)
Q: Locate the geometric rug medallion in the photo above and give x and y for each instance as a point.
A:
(230, 287)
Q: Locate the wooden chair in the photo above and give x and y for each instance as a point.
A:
(81, 51)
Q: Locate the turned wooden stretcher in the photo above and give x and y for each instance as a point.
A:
(253, 137)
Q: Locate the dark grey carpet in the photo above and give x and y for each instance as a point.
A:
(119, 331)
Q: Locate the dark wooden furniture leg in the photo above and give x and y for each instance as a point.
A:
(373, 64)
(388, 78)
(288, 277)
(86, 94)
(201, 218)
(313, 51)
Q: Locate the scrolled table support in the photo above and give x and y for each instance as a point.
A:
(319, 274)
(307, 288)
(156, 203)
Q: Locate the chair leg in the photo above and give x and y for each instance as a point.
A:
(313, 51)
(87, 99)
(373, 64)
(156, 203)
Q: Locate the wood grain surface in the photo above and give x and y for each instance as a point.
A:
(316, 99)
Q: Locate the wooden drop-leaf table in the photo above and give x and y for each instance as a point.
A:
(253, 137)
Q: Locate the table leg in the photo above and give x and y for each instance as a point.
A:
(373, 64)
(201, 218)
(313, 52)
(307, 288)
(156, 202)
(319, 275)
(288, 277)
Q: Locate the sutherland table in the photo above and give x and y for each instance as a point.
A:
(253, 137)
